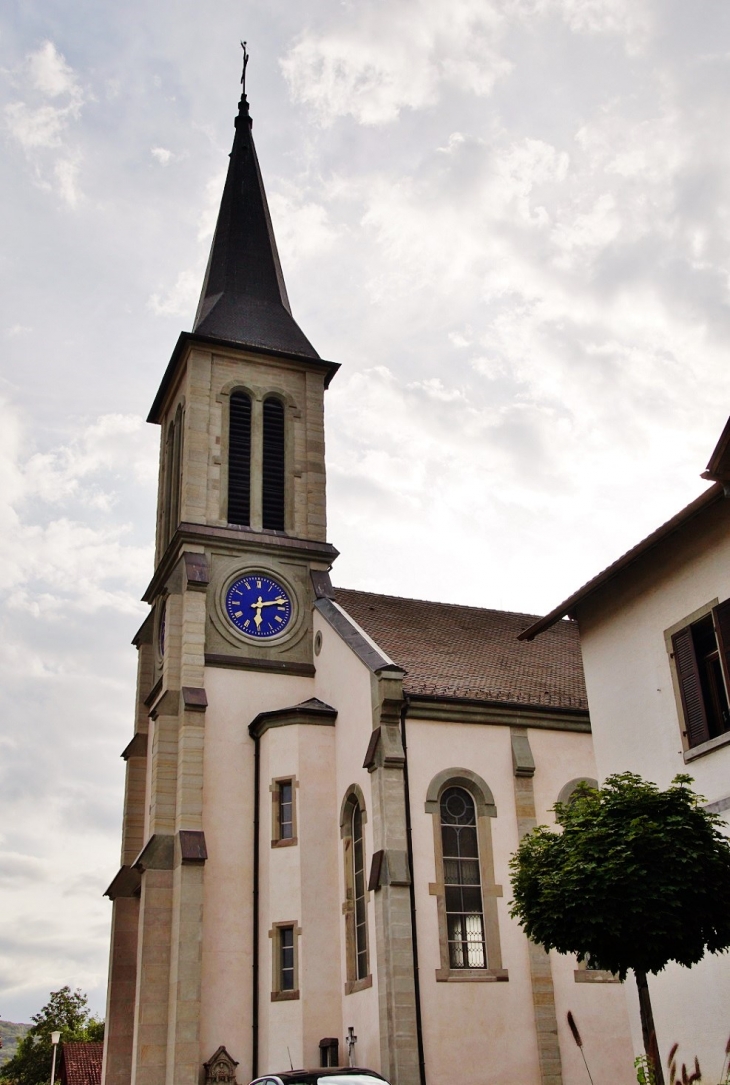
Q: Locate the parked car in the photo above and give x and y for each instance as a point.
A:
(323, 1075)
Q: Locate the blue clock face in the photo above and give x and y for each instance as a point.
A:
(258, 606)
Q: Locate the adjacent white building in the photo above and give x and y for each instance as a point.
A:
(655, 638)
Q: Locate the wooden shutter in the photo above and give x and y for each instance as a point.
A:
(273, 472)
(239, 460)
(721, 617)
(695, 716)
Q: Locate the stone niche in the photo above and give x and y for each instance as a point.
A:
(220, 1068)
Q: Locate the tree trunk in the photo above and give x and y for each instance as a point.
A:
(647, 1027)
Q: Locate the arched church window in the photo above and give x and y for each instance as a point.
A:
(462, 880)
(273, 468)
(462, 807)
(239, 460)
(358, 879)
(352, 821)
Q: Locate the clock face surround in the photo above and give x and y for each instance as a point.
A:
(258, 606)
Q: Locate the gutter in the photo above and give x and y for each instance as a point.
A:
(412, 893)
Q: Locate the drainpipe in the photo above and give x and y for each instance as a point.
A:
(255, 998)
(412, 889)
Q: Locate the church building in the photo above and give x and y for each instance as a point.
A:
(324, 786)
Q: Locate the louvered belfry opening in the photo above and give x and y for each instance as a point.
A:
(273, 476)
(239, 460)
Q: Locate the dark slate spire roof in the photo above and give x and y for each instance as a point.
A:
(244, 297)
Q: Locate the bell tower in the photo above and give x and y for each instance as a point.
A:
(240, 540)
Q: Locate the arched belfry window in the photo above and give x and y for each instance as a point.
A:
(355, 909)
(462, 880)
(173, 476)
(273, 466)
(239, 460)
(462, 807)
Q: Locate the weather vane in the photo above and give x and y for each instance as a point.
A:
(245, 65)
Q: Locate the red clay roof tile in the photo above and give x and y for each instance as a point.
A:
(81, 1063)
(472, 653)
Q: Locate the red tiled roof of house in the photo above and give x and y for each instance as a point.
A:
(470, 652)
(81, 1063)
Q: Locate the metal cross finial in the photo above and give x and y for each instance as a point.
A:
(245, 65)
(351, 1040)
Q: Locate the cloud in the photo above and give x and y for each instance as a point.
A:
(39, 122)
(162, 155)
(70, 582)
(396, 57)
(180, 298)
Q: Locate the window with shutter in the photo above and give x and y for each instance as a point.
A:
(273, 473)
(239, 460)
(703, 668)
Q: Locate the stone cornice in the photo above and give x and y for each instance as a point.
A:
(459, 710)
(308, 712)
(240, 537)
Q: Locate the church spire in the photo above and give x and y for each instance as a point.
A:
(244, 298)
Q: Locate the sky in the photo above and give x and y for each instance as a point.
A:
(508, 220)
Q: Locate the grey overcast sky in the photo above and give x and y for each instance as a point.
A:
(509, 221)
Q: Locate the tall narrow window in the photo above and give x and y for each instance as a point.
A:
(177, 451)
(286, 958)
(239, 460)
(285, 968)
(462, 880)
(286, 811)
(358, 879)
(167, 491)
(273, 473)
(355, 906)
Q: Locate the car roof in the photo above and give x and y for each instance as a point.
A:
(311, 1076)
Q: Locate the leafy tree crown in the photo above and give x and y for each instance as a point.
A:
(66, 1012)
(636, 878)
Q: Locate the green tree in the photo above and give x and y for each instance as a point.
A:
(638, 877)
(66, 1012)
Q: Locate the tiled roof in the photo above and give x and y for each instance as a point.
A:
(81, 1063)
(471, 653)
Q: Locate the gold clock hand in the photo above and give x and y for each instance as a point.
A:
(271, 602)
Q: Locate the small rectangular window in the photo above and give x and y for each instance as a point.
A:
(283, 813)
(284, 967)
(286, 811)
(286, 958)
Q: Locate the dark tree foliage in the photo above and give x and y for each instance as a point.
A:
(66, 1012)
(638, 877)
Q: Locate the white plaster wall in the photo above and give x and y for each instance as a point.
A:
(636, 726)
(280, 1029)
(319, 843)
(344, 682)
(480, 1025)
(234, 699)
(491, 1026)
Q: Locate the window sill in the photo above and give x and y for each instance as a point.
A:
(353, 986)
(472, 975)
(284, 996)
(707, 747)
(289, 843)
(594, 975)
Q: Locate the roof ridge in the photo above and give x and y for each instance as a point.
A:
(438, 603)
